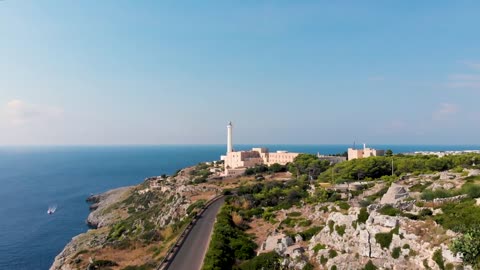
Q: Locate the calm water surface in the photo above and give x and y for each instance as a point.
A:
(33, 178)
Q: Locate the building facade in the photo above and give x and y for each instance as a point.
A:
(236, 162)
(364, 153)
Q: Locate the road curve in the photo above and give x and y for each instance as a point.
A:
(191, 253)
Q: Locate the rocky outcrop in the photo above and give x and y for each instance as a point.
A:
(100, 216)
(394, 194)
(404, 243)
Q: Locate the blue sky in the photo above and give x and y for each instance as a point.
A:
(162, 72)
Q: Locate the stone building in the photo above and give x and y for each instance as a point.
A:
(363, 153)
(236, 162)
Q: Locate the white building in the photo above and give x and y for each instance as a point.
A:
(236, 162)
(363, 153)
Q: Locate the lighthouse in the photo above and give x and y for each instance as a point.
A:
(229, 137)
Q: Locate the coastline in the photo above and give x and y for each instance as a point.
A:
(136, 225)
(96, 219)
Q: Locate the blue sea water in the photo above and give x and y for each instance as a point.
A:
(34, 178)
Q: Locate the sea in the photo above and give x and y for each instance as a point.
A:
(34, 178)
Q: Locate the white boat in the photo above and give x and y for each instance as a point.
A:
(51, 210)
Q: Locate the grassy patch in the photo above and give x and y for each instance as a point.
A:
(309, 233)
(460, 216)
(396, 252)
(389, 210)
(340, 229)
(318, 247)
(385, 239)
(332, 253)
(438, 259)
(363, 215)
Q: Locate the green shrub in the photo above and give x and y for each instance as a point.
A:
(333, 267)
(343, 205)
(103, 263)
(324, 209)
(289, 222)
(429, 194)
(457, 169)
(459, 217)
(318, 247)
(196, 205)
(269, 260)
(228, 243)
(370, 266)
(384, 239)
(323, 260)
(332, 253)
(472, 190)
(309, 233)
(294, 214)
(305, 223)
(363, 215)
(331, 223)
(268, 216)
(340, 229)
(438, 258)
(389, 210)
(354, 224)
(406, 246)
(308, 266)
(396, 252)
(468, 245)
(419, 204)
(420, 187)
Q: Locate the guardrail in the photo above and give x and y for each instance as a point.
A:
(172, 251)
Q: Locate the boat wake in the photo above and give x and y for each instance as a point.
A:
(51, 209)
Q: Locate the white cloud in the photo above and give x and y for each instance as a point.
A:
(18, 112)
(466, 81)
(444, 111)
(471, 64)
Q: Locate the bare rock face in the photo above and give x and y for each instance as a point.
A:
(409, 243)
(394, 194)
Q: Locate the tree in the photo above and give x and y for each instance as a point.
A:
(308, 164)
(276, 168)
(389, 153)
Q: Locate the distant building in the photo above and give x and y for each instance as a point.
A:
(236, 162)
(363, 153)
(332, 159)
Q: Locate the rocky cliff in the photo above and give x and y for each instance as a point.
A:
(134, 226)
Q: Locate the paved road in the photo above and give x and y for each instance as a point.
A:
(191, 254)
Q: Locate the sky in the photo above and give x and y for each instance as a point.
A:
(294, 72)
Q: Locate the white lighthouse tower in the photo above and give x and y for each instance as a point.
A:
(229, 137)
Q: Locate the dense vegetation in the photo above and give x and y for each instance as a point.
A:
(269, 261)
(200, 173)
(378, 167)
(307, 164)
(469, 246)
(274, 168)
(229, 243)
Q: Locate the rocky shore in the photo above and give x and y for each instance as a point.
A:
(133, 226)
(97, 218)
